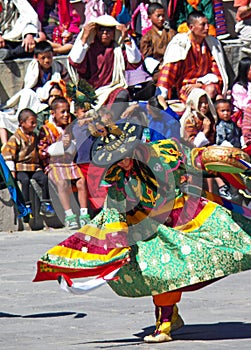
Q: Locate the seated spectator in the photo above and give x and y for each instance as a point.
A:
(154, 42)
(193, 60)
(198, 127)
(19, 26)
(21, 156)
(56, 90)
(227, 132)
(243, 20)
(40, 73)
(84, 97)
(199, 119)
(213, 10)
(241, 89)
(57, 151)
(60, 23)
(99, 58)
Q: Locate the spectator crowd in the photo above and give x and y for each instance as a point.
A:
(159, 64)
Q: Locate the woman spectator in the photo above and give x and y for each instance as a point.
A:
(241, 89)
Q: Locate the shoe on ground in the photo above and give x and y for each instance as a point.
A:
(27, 218)
(157, 337)
(224, 192)
(84, 220)
(46, 210)
(161, 334)
(71, 222)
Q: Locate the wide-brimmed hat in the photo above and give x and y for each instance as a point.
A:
(106, 21)
(119, 143)
(109, 21)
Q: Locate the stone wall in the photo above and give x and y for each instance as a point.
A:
(8, 218)
(12, 76)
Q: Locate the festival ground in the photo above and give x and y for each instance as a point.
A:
(40, 316)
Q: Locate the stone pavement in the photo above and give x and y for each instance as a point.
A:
(40, 316)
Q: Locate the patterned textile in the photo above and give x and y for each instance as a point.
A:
(220, 21)
(57, 167)
(246, 126)
(198, 63)
(77, 257)
(173, 258)
(179, 11)
(17, 19)
(11, 16)
(186, 255)
(20, 152)
(183, 242)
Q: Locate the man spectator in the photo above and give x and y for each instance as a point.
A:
(193, 60)
(100, 59)
(243, 18)
(19, 26)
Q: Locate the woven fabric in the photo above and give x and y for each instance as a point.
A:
(160, 244)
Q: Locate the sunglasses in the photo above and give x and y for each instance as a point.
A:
(106, 29)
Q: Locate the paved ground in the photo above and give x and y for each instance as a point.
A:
(39, 316)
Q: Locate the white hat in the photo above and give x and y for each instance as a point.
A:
(106, 21)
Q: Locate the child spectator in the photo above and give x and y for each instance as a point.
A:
(57, 150)
(41, 72)
(227, 132)
(84, 142)
(83, 96)
(198, 127)
(56, 90)
(199, 119)
(153, 44)
(18, 28)
(22, 159)
(60, 23)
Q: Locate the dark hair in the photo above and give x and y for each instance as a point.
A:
(24, 114)
(153, 7)
(55, 86)
(57, 101)
(42, 47)
(194, 16)
(242, 75)
(221, 100)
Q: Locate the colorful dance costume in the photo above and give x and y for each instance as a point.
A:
(159, 241)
